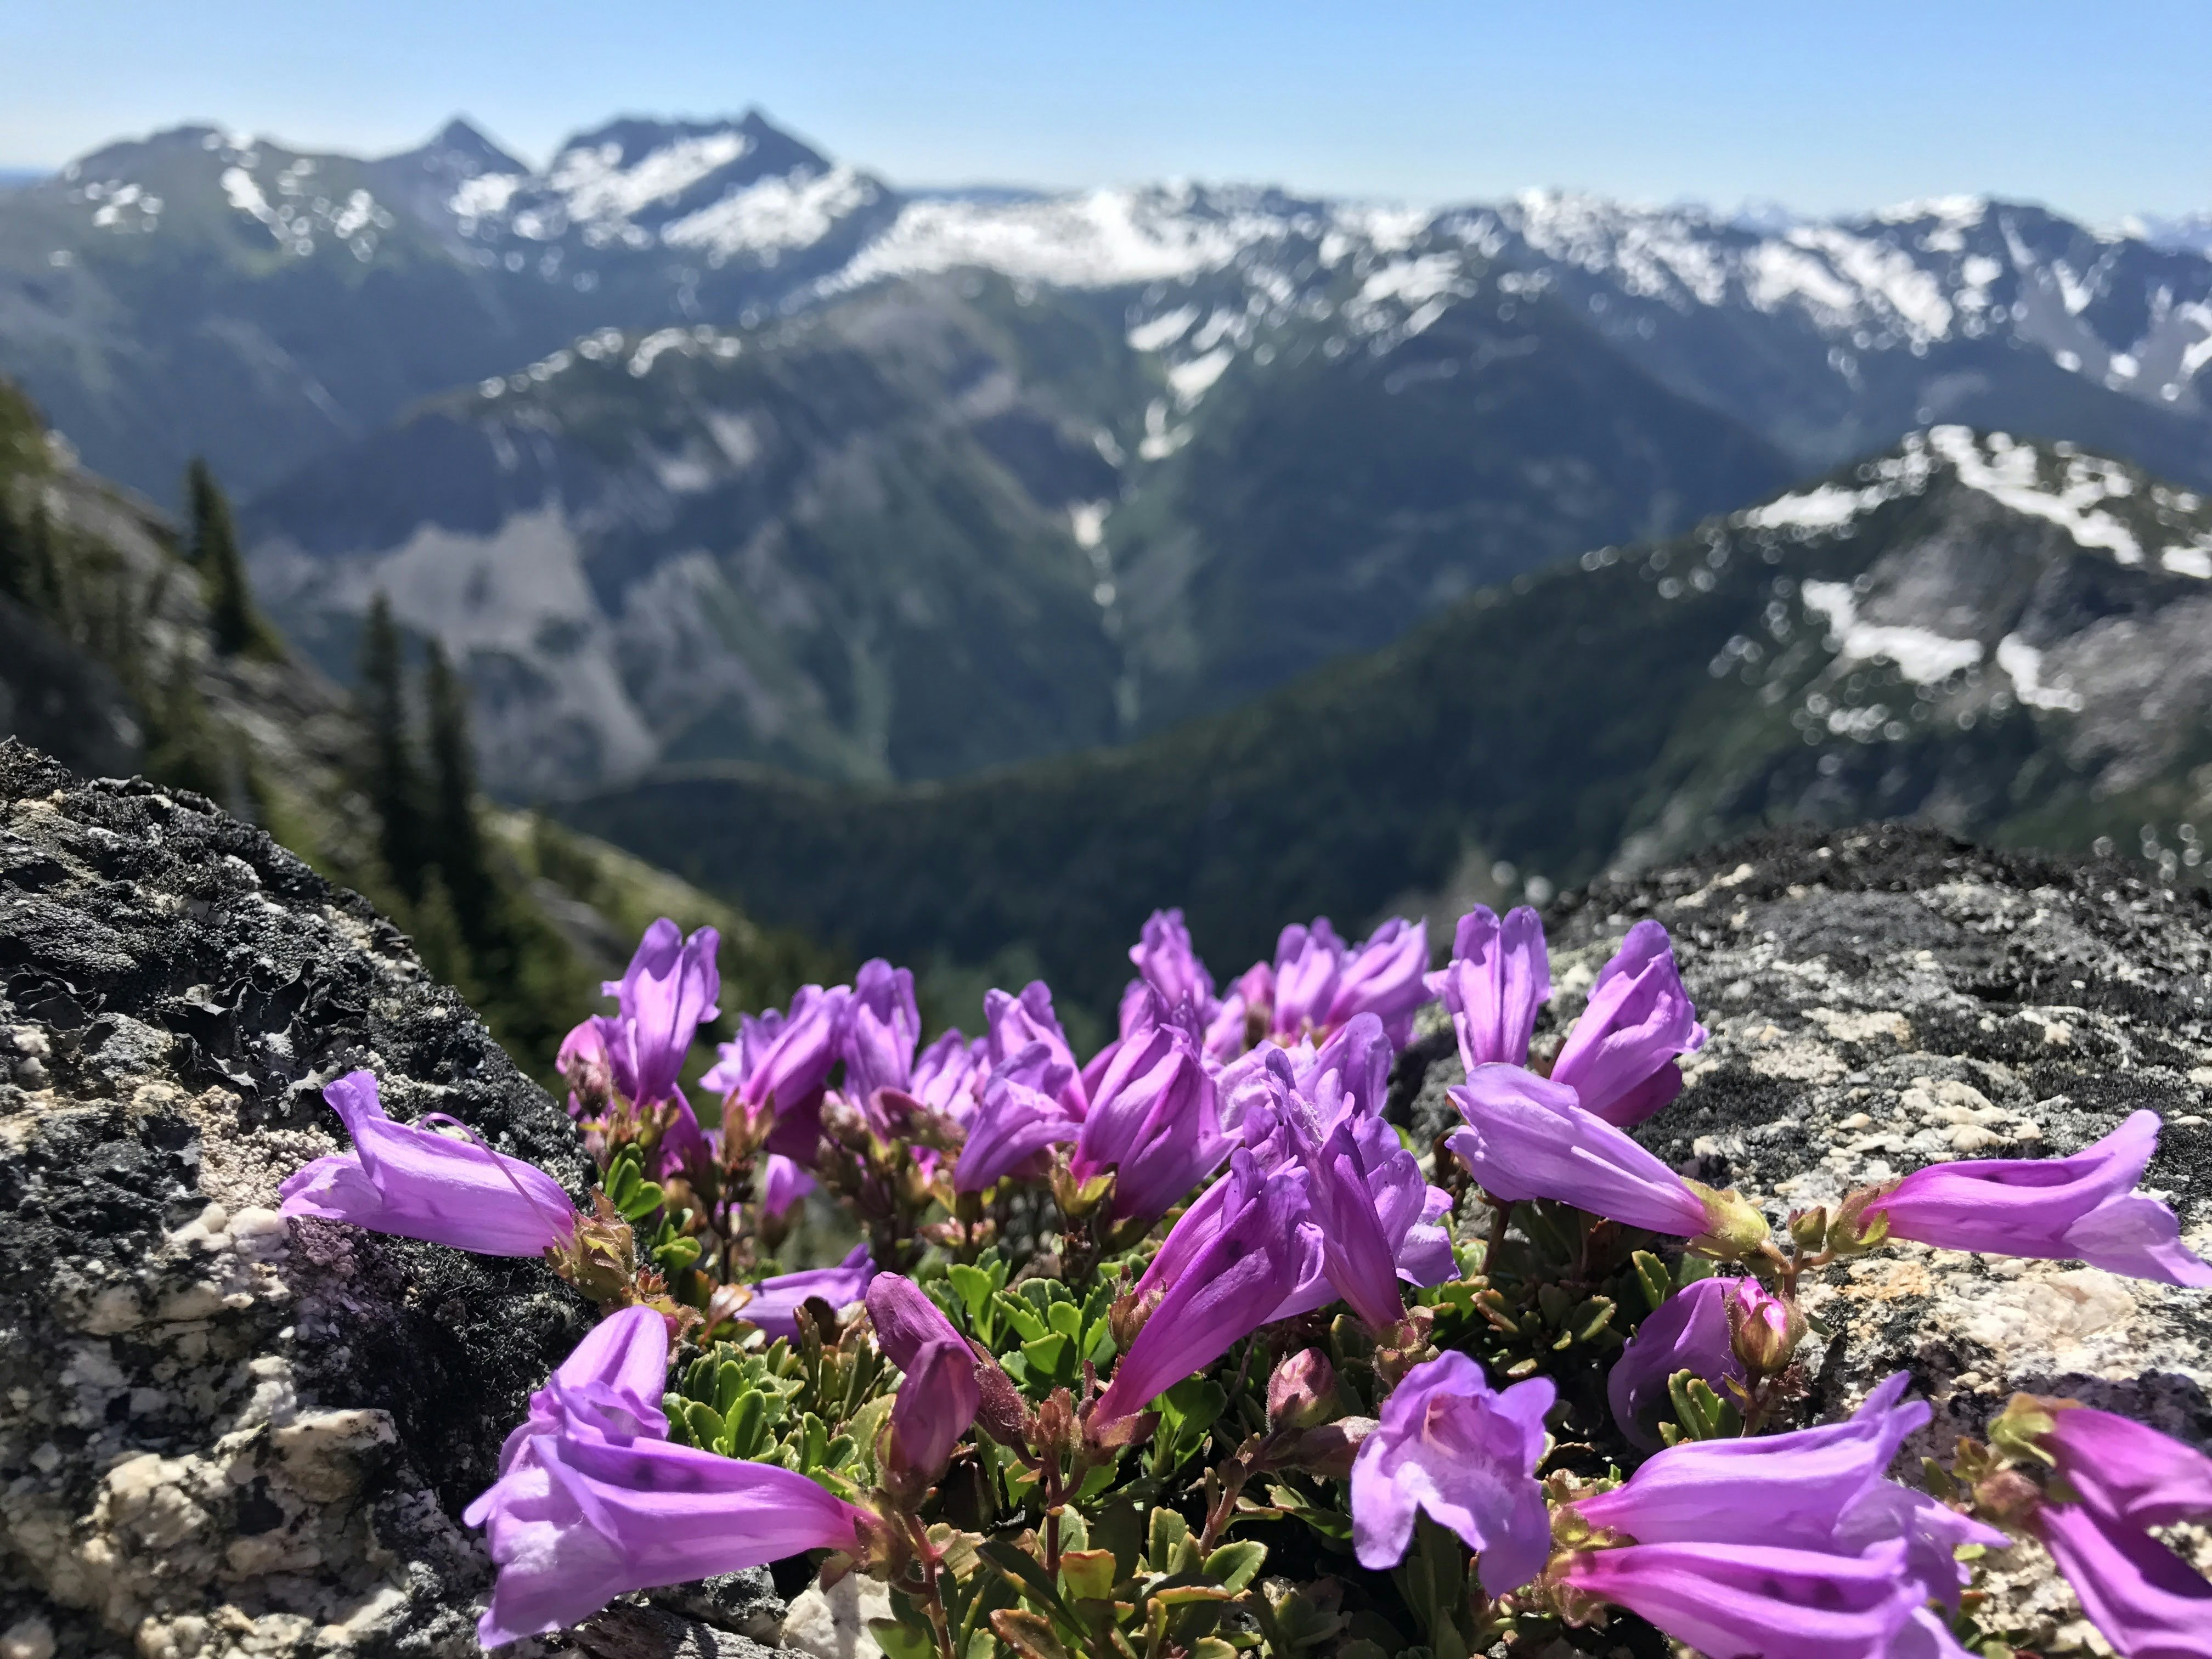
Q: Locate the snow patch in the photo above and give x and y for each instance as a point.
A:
(1163, 330)
(2023, 664)
(2008, 475)
(1192, 380)
(773, 214)
(595, 186)
(1923, 656)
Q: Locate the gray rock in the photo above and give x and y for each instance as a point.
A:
(1887, 998)
(222, 1433)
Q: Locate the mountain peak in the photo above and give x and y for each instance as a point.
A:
(459, 151)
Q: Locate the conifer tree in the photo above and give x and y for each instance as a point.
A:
(458, 836)
(395, 784)
(235, 624)
(14, 553)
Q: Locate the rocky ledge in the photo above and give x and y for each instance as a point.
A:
(222, 1433)
(1887, 998)
(227, 1435)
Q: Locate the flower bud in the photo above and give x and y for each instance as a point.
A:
(1328, 1450)
(1763, 1330)
(1809, 1228)
(1733, 1228)
(1302, 1393)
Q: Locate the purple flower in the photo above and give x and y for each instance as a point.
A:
(905, 1319)
(1012, 1024)
(938, 1397)
(950, 1075)
(1154, 1119)
(666, 995)
(1792, 1544)
(405, 1180)
(1499, 976)
(783, 1183)
(1528, 1138)
(1447, 1443)
(2126, 1479)
(1621, 1058)
(1321, 982)
(1764, 1603)
(1249, 1007)
(1688, 1332)
(882, 1025)
(1021, 1115)
(784, 1061)
(1227, 1290)
(1363, 1215)
(1164, 961)
(936, 1403)
(776, 1303)
(591, 1502)
(2081, 1207)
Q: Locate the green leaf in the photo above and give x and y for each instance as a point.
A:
(747, 1422)
(1211, 1647)
(1066, 1318)
(900, 1641)
(974, 1287)
(676, 1254)
(706, 1424)
(1168, 1534)
(679, 1427)
(1028, 1324)
(1051, 1357)
(1027, 1576)
(1235, 1565)
(1652, 1278)
(1028, 1634)
(1087, 1575)
(729, 1383)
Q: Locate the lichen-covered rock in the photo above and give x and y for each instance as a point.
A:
(220, 1432)
(1889, 998)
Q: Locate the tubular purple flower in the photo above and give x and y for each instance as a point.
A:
(950, 1075)
(1528, 1137)
(776, 1303)
(906, 1320)
(1621, 1058)
(2125, 1479)
(936, 1403)
(1387, 975)
(1021, 1115)
(783, 1183)
(591, 1502)
(1165, 961)
(1013, 1024)
(2081, 1207)
(584, 1049)
(1359, 1257)
(785, 1060)
(882, 1026)
(405, 1180)
(1249, 1006)
(1447, 1443)
(1757, 1601)
(1227, 1291)
(1789, 1489)
(666, 995)
(1308, 963)
(1499, 974)
(1154, 1120)
(1689, 1331)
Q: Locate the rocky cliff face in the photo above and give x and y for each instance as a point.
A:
(1887, 997)
(223, 1433)
(227, 1435)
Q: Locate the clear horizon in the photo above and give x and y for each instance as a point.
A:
(1722, 103)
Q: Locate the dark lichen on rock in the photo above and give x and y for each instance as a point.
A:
(223, 1432)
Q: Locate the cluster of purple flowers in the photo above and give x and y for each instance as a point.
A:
(1261, 1113)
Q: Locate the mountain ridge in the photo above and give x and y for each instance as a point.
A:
(1964, 630)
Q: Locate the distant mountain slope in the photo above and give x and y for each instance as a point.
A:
(107, 663)
(868, 542)
(2011, 639)
(840, 544)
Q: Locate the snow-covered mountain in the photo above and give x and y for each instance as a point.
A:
(199, 252)
(1303, 424)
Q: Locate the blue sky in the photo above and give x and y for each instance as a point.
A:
(2100, 111)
